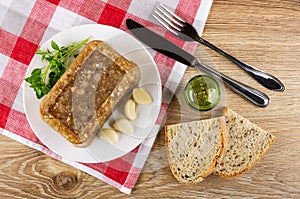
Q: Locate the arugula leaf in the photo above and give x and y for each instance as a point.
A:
(54, 45)
(59, 59)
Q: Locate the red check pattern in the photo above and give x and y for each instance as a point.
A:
(26, 25)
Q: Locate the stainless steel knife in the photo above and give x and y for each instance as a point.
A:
(169, 49)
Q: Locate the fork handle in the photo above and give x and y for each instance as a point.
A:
(266, 79)
(255, 96)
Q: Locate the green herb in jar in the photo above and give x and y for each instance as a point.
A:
(202, 92)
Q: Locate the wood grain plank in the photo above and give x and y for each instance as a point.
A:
(263, 33)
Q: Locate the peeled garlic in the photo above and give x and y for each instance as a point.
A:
(140, 96)
(109, 135)
(130, 109)
(124, 126)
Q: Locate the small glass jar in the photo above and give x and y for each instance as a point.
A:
(202, 92)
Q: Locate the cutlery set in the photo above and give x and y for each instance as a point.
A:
(185, 31)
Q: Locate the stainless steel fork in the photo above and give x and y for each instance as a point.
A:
(187, 32)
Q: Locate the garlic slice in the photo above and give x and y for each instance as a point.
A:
(141, 96)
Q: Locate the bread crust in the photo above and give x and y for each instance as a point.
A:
(67, 84)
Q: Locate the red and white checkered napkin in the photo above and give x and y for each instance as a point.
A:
(26, 25)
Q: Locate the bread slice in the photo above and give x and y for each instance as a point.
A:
(91, 88)
(194, 147)
(246, 144)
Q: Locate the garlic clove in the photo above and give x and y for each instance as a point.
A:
(109, 135)
(141, 96)
(130, 109)
(124, 126)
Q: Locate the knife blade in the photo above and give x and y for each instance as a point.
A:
(169, 49)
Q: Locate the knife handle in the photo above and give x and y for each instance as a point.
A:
(253, 95)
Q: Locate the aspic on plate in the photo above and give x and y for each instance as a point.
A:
(100, 150)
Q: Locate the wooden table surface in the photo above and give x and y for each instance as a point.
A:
(265, 34)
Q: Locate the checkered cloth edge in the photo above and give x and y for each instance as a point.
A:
(26, 25)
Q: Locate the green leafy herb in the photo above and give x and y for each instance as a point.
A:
(59, 59)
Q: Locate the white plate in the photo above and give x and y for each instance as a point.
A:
(99, 150)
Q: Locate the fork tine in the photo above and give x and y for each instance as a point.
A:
(167, 21)
(171, 13)
(165, 25)
(171, 20)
